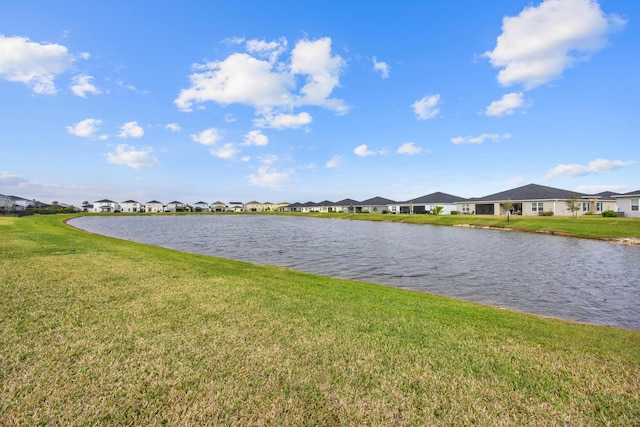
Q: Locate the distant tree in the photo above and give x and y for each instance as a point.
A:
(437, 210)
(573, 205)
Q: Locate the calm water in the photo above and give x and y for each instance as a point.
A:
(581, 280)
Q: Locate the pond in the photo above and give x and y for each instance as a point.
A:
(575, 279)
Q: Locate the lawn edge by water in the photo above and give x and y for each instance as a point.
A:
(96, 330)
(619, 230)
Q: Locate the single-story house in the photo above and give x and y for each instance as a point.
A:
(346, 206)
(374, 205)
(326, 206)
(292, 207)
(201, 207)
(629, 204)
(309, 207)
(131, 206)
(106, 205)
(154, 206)
(427, 203)
(534, 199)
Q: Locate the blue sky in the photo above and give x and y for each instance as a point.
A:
(290, 101)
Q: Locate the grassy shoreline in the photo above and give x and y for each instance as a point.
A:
(95, 330)
(590, 227)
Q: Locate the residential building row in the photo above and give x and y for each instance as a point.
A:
(531, 199)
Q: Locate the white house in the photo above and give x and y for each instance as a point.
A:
(106, 205)
(235, 207)
(18, 203)
(629, 204)
(175, 206)
(201, 207)
(154, 206)
(131, 206)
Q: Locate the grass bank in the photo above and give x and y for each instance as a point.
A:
(589, 226)
(97, 331)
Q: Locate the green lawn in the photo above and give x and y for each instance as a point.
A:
(588, 226)
(98, 331)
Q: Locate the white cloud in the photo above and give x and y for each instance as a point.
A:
(334, 162)
(283, 121)
(226, 151)
(427, 107)
(82, 85)
(131, 130)
(173, 127)
(381, 67)
(271, 50)
(239, 79)
(85, 128)
(313, 59)
(480, 138)
(33, 64)
(363, 151)
(255, 137)
(267, 176)
(409, 148)
(268, 85)
(595, 189)
(536, 46)
(594, 167)
(127, 155)
(506, 105)
(207, 137)
(9, 179)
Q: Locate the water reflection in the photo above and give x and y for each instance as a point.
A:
(575, 279)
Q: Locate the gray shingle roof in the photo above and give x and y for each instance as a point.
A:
(529, 192)
(437, 197)
(346, 202)
(375, 201)
(630, 193)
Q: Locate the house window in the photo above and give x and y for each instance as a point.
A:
(465, 208)
(537, 207)
(586, 206)
(599, 207)
(634, 204)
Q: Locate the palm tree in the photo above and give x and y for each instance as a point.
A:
(437, 210)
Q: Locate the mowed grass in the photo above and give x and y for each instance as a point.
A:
(586, 226)
(98, 331)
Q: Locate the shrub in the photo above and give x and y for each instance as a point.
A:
(454, 212)
(609, 213)
(588, 213)
(547, 213)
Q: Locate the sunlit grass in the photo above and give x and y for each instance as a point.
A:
(585, 226)
(95, 330)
